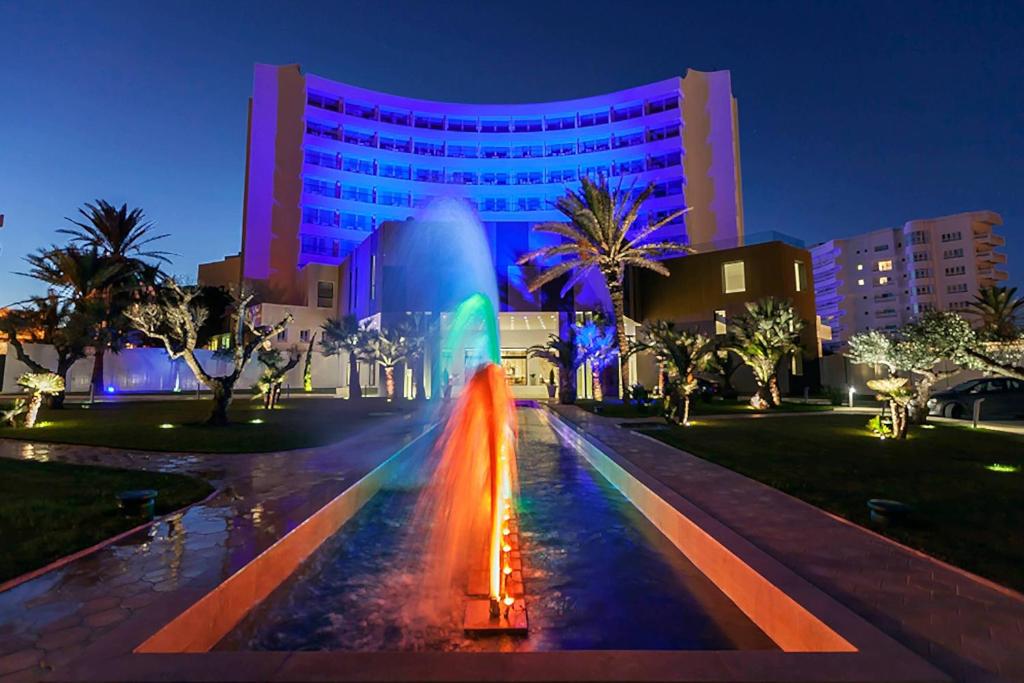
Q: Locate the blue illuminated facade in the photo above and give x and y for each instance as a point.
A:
(329, 163)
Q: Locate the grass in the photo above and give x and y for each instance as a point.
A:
(297, 423)
(965, 511)
(617, 409)
(49, 510)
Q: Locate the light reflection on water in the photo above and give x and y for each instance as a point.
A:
(598, 575)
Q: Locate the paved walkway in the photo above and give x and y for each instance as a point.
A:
(971, 629)
(48, 621)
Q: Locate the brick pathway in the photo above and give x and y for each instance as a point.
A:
(48, 621)
(965, 626)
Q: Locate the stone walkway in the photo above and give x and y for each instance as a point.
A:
(48, 621)
(971, 629)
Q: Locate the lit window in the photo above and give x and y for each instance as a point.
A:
(324, 294)
(800, 272)
(860, 282)
(720, 325)
(884, 280)
(860, 266)
(733, 277)
(885, 265)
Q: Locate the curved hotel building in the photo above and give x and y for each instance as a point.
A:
(329, 163)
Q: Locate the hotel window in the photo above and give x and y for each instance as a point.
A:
(884, 280)
(462, 151)
(428, 122)
(596, 145)
(373, 277)
(564, 176)
(356, 221)
(663, 132)
(634, 166)
(593, 119)
(924, 289)
(529, 178)
(596, 172)
(429, 175)
(324, 294)
(433, 149)
(528, 126)
(860, 282)
(919, 237)
(629, 111)
(664, 161)
(315, 99)
(318, 216)
(395, 171)
(353, 165)
(560, 122)
(920, 256)
(324, 188)
(561, 149)
(663, 104)
(881, 247)
(396, 144)
(494, 126)
(316, 157)
(885, 265)
(960, 288)
(952, 253)
(860, 266)
(358, 137)
(951, 236)
(721, 326)
(527, 151)
(399, 118)
(282, 336)
(733, 277)
(494, 152)
(385, 198)
(304, 336)
(800, 273)
(323, 130)
(462, 178)
(956, 270)
(356, 194)
(668, 189)
(627, 140)
(467, 125)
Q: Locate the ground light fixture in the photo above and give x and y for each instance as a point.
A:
(999, 467)
(256, 421)
(851, 393)
(166, 425)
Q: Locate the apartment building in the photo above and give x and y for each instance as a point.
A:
(882, 279)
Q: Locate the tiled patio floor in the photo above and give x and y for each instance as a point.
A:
(50, 620)
(965, 626)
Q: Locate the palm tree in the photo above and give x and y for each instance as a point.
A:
(595, 340)
(349, 335)
(602, 233)
(762, 336)
(998, 308)
(565, 355)
(898, 394)
(118, 233)
(39, 384)
(683, 352)
(418, 328)
(388, 347)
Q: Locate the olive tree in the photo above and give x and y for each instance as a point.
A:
(175, 318)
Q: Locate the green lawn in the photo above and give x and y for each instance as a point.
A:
(617, 409)
(297, 423)
(48, 510)
(964, 513)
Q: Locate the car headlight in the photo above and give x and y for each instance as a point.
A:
(932, 402)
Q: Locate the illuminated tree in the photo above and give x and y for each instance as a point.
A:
(9, 416)
(418, 328)
(307, 368)
(602, 233)
(565, 355)
(595, 341)
(176, 318)
(275, 369)
(388, 347)
(39, 384)
(898, 394)
(998, 309)
(349, 335)
(763, 336)
(683, 353)
(49, 320)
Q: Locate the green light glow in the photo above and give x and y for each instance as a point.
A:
(997, 467)
(256, 421)
(166, 425)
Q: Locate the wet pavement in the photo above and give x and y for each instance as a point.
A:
(47, 622)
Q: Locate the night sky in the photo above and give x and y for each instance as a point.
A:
(853, 116)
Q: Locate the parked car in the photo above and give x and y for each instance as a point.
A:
(1004, 398)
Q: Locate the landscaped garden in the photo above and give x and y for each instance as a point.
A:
(618, 409)
(49, 510)
(180, 425)
(966, 486)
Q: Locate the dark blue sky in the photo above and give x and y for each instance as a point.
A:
(853, 116)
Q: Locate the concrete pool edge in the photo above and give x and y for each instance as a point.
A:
(875, 661)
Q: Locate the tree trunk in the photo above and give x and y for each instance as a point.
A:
(97, 370)
(33, 410)
(595, 379)
(355, 389)
(686, 409)
(918, 412)
(773, 388)
(614, 282)
(419, 386)
(223, 392)
(566, 386)
(761, 399)
(389, 382)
